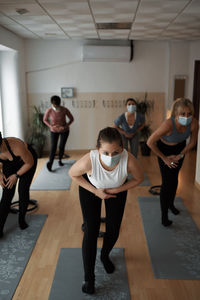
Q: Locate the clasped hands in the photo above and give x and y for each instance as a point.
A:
(129, 135)
(106, 193)
(58, 128)
(8, 182)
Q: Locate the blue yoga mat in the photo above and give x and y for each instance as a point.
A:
(69, 277)
(174, 250)
(58, 179)
(16, 247)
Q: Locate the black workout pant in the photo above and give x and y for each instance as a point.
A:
(54, 142)
(169, 176)
(91, 210)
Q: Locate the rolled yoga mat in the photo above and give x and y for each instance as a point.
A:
(69, 276)
(58, 179)
(174, 250)
(16, 247)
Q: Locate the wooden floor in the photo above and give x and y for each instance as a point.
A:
(63, 230)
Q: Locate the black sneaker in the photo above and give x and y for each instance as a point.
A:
(49, 165)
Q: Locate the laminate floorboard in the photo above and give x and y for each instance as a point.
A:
(62, 229)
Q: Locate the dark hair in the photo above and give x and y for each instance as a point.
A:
(55, 100)
(131, 99)
(109, 135)
(0, 138)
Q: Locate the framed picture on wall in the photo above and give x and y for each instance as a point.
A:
(67, 92)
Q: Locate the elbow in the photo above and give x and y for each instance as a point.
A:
(149, 143)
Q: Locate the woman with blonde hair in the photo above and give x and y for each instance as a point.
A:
(169, 143)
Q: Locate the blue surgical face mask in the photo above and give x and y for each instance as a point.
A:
(184, 121)
(110, 161)
(131, 108)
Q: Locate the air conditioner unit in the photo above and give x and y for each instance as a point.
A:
(106, 53)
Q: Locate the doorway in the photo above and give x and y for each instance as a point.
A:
(196, 89)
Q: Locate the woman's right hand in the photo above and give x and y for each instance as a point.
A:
(103, 195)
(2, 180)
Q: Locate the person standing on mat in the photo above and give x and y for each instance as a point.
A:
(169, 143)
(101, 175)
(129, 125)
(18, 161)
(55, 119)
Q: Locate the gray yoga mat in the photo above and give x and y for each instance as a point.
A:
(68, 277)
(15, 250)
(145, 182)
(174, 250)
(58, 179)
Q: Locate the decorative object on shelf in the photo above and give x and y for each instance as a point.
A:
(37, 134)
(67, 92)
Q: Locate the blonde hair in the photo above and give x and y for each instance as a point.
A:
(181, 103)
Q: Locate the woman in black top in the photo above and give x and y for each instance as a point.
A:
(18, 161)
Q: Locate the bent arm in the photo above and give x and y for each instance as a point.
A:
(119, 129)
(135, 169)
(46, 118)
(81, 167)
(71, 118)
(163, 130)
(193, 138)
(22, 151)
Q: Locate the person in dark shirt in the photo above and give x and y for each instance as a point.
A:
(18, 161)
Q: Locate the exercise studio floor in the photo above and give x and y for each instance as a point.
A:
(62, 229)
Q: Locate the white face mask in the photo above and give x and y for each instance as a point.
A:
(131, 108)
(55, 108)
(110, 161)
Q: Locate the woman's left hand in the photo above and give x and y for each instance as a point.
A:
(11, 181)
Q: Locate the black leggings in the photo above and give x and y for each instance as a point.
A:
(169, 176)
(23, 190)
(54, 142)
(91, 210)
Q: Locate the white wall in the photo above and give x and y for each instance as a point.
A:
(53, 64)
(195, 55)
(13, 94)
(178, 65)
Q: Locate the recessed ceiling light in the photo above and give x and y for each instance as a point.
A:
(124, 25)
(22, 11)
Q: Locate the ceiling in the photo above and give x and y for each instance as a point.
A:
(77, 19)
